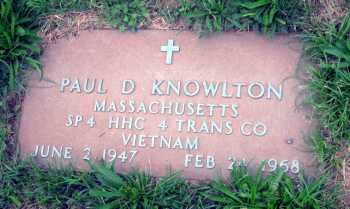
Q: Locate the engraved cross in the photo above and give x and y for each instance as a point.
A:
(169, 49)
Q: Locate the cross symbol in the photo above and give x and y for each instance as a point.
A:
(169, 49)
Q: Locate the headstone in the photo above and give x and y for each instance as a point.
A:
(167, 100)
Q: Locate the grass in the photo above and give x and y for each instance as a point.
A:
(332, 100)
(124, 14)
(267, 16)
(26, 183)
(46, 7)
(169, 10)
(328, 48)
(19, 43)
(327, 45)
(137, 190)
(276, 190)
(211, 15)
(272, 16)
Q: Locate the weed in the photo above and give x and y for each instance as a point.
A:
(3, 135)
(276, 190)
(211, 15)
(54, 187)
(336, 52)
(137, 190)
(3, 144)
(329, 44)
(268, 16)
(11, 184)
(326, 152)
(19, 43)
(169, 10)
(45, 7)
(331, 100)
(58, 186)
(125, 14)
(330, 84)
(271, 16)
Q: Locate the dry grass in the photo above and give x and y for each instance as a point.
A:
(58, 26)
(343, 175)
(67, 25)
(159, 23)
(328, 10)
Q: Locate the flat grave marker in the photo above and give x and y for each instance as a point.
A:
(160, 100)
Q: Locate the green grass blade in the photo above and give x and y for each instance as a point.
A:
(219, 186)
(256, 4)
(344, 27)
